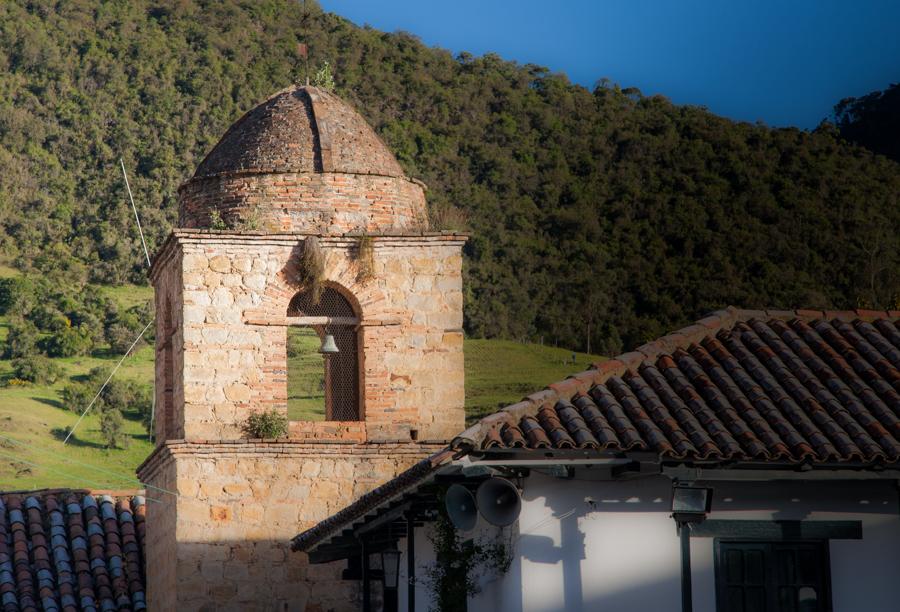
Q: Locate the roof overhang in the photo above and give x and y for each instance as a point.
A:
(386, 521)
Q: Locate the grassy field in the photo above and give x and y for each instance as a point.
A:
(306, 376)
(501, 372)
(33, 423)
(33, 419)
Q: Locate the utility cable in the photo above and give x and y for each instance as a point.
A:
(136, 218)
(150, 429)
(99, 470)
(109, 378)
(75, 478)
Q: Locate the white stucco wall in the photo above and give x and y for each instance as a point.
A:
(622, 552)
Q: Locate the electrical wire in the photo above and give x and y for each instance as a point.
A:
(75, 478)
(136, 218)
(152, 414)
(102, 387)
(99, 470)
(109, 378)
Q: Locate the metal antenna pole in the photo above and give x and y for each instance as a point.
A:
(133, 207)
(304, 47)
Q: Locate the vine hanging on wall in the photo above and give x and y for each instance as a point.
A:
(460, 565)
(311, 272)
(365, 259)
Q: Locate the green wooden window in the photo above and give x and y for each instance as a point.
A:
(772, 576)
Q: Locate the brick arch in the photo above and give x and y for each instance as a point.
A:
(345, 293)
(282, 288)
(362, 295)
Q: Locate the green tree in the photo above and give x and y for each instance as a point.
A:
(36, 369)
(68, 342)
(872, 120)
(21, 339)
(112, 427)
(77, 396)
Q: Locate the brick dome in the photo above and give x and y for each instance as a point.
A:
(303, 161)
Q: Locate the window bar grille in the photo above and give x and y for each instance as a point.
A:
(341, 369)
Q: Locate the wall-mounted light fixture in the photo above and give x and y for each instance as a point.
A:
(690, 504)
(390, 565)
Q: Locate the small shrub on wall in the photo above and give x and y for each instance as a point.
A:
(266, 425)
(460, 564)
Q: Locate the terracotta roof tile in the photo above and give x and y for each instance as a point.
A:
(625, 430)
(879, 342)
(66, 553)
(534, 434)
(576, 426)
(602, 431)
(761, 386)
(512, 436)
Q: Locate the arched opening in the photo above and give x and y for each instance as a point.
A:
(322, 386)
(168, 374)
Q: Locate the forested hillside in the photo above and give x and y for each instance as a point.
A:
(872, 120)
(604, 215)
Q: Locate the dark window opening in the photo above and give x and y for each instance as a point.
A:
(323, 387)
(168, 411)
(772, 577)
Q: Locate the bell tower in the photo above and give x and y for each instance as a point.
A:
(300, 241)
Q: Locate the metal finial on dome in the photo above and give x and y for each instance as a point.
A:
(303, 51)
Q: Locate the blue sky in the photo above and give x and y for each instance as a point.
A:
(783, 62)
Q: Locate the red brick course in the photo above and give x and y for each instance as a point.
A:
(320, 203)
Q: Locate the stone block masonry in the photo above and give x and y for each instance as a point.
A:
(220, 540)
(228, 296)
(238, 504)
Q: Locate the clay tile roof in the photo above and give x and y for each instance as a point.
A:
(63, 550)
(300, 129)
(787, 387)
(802, 386)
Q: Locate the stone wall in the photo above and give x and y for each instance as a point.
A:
(223, 542)
(234, 291)
(160, 546)
(332, 203)
(219, 538)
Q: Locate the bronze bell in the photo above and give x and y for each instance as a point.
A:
(328, 345)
